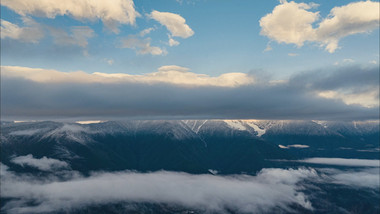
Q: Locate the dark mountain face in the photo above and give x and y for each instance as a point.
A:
(139, 145)
(191, 146)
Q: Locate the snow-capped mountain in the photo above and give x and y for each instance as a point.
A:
(228, 146)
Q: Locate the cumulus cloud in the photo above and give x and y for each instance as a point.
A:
(174, 91)
(289, 22)
(44, 163)
(292, 23)
(271, 188)
(172, 42)
(175, 23)
(31, 32)
(141, 46)
(78, 37)
(112, 12)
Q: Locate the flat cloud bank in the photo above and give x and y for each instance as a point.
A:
(271, 188)
(349, 93)
(343, 162)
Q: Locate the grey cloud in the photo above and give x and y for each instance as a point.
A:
(271, 188)
(44, 163)
(295, 99)
(347, 77)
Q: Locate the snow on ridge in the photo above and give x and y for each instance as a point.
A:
(321, 123)
(235, 124)
(72, 131)
(259, 130)
(195, 125)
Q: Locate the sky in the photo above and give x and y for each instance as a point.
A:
(190, 59)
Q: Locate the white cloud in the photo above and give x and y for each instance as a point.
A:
(44, 163)
(358, 178)
(289, 22)
(364, 178)
(300, 146)
(343, 162)
(173, 68)
(175, 23)
(146, 31)
(166, 74)
(32, 32)
(357, 17)
(142, 46)
(78, 37)
(111, 12)
(271, 188)
(292, 23)
(172, 42)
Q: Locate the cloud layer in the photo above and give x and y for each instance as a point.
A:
(44, 163)
(174, 75)
(174, 91)
(343, 162)
(271, 188)
(292, 23)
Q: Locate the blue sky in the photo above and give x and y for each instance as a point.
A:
(226, 39)
(175, 52)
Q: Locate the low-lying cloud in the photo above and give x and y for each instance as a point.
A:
(271, 188)
(175, 92)
(367, 178)
(343, 162)
(44, 163)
